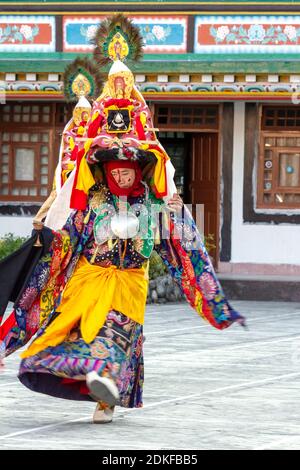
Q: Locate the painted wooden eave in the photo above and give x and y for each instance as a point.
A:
(165, 63)
(151, 2)
(192, 3)
(167, 97)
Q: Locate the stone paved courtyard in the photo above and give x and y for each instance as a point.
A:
(204, 389)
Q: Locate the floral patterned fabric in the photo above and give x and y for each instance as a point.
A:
(117, 350)
(187, 260)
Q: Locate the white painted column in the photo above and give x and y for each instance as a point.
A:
(237, 178)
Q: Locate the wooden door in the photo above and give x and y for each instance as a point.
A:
(204, 170)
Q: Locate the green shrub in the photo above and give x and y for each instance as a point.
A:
(10, 243)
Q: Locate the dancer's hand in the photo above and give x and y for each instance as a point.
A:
(175, 204)
(37, 225)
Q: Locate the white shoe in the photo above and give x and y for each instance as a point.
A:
(102, 416)
(102, 388)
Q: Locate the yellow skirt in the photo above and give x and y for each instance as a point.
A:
(90, 294)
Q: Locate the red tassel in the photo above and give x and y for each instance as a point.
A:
(94, 126)
(140, 129)
(120, 102)
(78, 198)
(74, 153)
(158, 194)
(154, 147)
(9, 323)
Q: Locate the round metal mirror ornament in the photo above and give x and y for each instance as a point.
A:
(125, 225)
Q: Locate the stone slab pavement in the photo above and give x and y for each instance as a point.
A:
(204, 389)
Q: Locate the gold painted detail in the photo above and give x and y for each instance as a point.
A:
(118, 48)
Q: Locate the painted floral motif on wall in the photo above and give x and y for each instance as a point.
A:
(27, 33)
(255, 34)
(156, 33)
(88, 32)
(247, 34)
(161, 34)
(16, 33)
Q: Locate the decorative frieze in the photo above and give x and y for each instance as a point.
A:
(250, 78)
(53, 77)
(140, 78)
(184, 78)
(207, 78)
(213, 34)
(10, 77)
(27, 33)
(229, 78)
(32, 86)
(295, 78)
(162, 78)
(30, 77)
(167, 83)
(247, 34)
(273, 78)
(161, 34)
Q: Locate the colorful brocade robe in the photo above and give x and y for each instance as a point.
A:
(182, 251)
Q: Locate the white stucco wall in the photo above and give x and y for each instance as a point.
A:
(21, 226)
(259, 243)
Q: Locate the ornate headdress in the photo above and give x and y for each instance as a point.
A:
(120, 124)
(82, 83)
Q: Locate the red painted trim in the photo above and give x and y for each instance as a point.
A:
(215, 97)
(164, 97)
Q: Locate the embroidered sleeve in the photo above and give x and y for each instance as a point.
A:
(183, 251)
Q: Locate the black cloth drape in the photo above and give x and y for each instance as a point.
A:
(16, 269)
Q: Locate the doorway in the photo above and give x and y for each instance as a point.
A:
(204, 186)
(195, 158)
(178, 147)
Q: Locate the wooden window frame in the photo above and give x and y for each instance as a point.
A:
(37, 166)
(54, 130)
(278, 127)
(24, 183)
(275, 173)
(180, 126)
(36, 146)
(39, 122)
